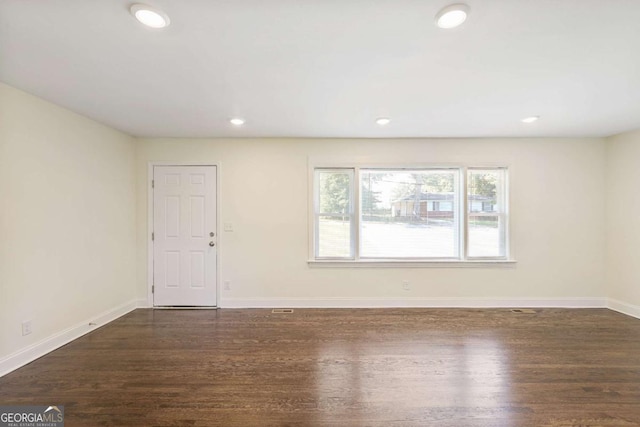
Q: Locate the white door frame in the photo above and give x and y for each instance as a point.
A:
(150, 167)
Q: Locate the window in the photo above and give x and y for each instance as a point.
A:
(396, 221)
(334, 213)
(487, 213)
(376, 214)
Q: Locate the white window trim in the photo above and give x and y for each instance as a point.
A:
(411, 263)
(464, 260)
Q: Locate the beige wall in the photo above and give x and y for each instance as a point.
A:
(623, 219)
(557, 218)
(67, 219)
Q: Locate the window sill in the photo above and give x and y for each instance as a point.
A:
(392, 263)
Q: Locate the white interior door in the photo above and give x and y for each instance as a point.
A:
(185, 236)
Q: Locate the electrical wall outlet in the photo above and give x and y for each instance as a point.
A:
(405, 285)
(227, 285)
(228, 226)
(26, 327)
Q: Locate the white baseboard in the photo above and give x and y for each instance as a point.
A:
(143, 303)
(624, 308)
(452, 302)
(34, 351)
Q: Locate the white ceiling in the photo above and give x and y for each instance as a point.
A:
(329, 68)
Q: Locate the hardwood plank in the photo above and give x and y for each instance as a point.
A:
(344, 367)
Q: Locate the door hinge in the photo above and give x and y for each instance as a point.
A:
(153, 236)
(153, 183)
(153, 289)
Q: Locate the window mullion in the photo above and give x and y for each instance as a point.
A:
(464, 210)
(356, 215)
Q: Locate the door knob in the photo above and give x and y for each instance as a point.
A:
(212, 244)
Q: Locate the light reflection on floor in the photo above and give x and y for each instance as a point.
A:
(360, 378)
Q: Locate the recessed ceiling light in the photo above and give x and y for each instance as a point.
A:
(530, 119)
(383, 121)
(452, 16)
(237, 121)
(150, 16)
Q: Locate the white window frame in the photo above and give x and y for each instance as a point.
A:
(502, 215)
(353, 196)
(463, 260)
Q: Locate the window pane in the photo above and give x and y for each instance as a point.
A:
(334, 191)
(485, 236)
(409, 213)
(334, 237)
(334, 213)
(487, 213)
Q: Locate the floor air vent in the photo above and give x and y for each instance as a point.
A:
(282, 310)
(523, 311)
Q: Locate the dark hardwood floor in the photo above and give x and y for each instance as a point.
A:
(365, 367)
